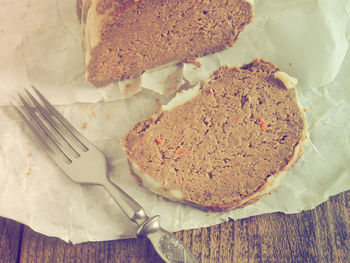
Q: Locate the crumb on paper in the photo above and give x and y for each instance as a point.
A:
(209, 213)
(305, 110)
(83, 106)
(29, 155)
(84, 125)
(172, 88)
(157, 100)
(108, 117)
(173, 79)
(193, 61)
(28, 143)
(129, 89)
(290, 63)
(92, 115)
(28, 172)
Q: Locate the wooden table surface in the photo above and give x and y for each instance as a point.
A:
(319, 235)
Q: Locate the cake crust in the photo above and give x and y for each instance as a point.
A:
(229, 144)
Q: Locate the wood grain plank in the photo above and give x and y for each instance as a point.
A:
(333, 229)
(37, 248)
(319, 235)
(10, 239)
(339, 209)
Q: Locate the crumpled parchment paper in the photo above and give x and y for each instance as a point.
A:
(40, 44)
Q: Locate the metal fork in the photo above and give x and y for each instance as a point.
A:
(85, 164)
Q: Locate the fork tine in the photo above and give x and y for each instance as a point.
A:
(52, 136)
(47, 144)
(59, 128)
(68, 126)
(37, 131)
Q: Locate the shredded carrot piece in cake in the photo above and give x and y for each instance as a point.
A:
(237, 117)
(158, 141)
(262, 124)
(192, 28)
(180, 152)
(126, 53)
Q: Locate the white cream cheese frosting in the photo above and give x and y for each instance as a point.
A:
(154, 186)
(288, 81)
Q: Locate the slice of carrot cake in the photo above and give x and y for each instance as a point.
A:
(225, 143)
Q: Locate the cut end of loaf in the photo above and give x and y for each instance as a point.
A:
(135, 36)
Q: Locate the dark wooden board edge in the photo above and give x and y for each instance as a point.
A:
(10, 240)
(318, 235)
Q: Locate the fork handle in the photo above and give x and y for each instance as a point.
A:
(133, 210)
(169, 248)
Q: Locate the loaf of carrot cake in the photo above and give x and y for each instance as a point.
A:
(123, 38)
(223, 144)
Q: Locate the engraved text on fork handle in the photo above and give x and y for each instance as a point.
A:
(167, 245)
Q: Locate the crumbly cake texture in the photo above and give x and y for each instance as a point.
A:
(228, 146)
(123, 38)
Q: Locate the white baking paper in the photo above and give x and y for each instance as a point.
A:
(40, 44)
